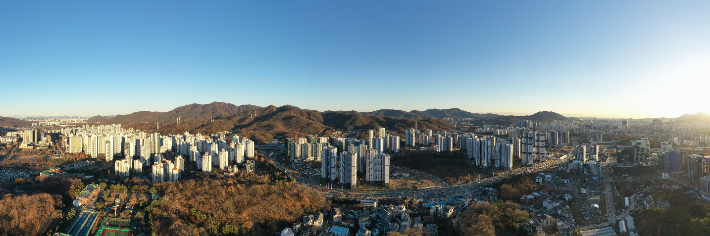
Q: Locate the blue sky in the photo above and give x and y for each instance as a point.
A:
(578, 58)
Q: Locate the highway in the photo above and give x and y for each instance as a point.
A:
(83, 223)
(437, 192)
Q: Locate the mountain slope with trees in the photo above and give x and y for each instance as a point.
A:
(192, 112)
(452, 113)
(230, 206)
(694, 118)
(265, 124)
(10, 122)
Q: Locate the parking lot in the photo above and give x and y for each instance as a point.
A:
(11, 175)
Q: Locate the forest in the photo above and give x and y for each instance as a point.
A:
(497, 218)
(265, 124)
(24, 214)
(514, 188)
(230, 206)
(686, 216)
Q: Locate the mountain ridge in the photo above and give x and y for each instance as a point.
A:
(699, 117)
(265, 124)
(10, 122)
(187, 112)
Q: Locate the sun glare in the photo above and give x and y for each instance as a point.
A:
(684, 93)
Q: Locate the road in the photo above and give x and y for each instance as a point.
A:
(610, 211)
(437, 192)
(47, 222)
(83, 223)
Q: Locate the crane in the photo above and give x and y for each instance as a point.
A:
(296, 137)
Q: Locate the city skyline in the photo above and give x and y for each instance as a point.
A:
(610, 59)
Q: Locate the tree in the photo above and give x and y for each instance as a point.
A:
(507, 192)
(152, 190)
(99, 206)
(78, 189)
(257, 208)
(24, 214)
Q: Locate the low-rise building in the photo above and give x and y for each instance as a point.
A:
(339, 231)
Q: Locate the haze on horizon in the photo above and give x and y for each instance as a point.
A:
(630, 59)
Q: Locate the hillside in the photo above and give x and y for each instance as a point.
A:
(694, 118)
(541, 116)
(357, 121)
(398, 114)
(10, 122)
(455, 113)
(231, 205)
(452, 113)
(192, 112)
(265, 124)
(544, 116)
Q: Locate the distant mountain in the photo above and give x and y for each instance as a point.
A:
(452, 113)
(192, 112)
(358, 121)
(13, 123)
(267, 123)
(53, 117)
(398, 114)
(694, 118)
(544, 116)
(455, 113)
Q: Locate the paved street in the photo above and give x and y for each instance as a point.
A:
(438, 192)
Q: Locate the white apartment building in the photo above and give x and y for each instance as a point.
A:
(410, 137)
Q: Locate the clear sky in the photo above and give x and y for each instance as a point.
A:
(578, 58)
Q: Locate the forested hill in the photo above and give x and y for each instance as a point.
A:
(192, 112)
(694, 118)
(13, 123)
(265, 124)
